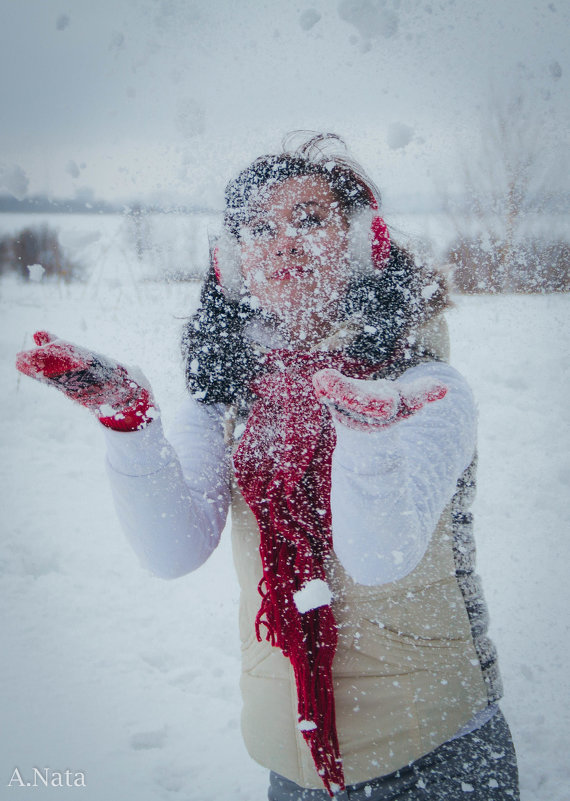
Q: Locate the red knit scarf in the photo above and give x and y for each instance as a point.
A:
(283, 468)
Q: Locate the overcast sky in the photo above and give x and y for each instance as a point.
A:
(148, 98)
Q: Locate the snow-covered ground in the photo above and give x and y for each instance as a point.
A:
(133, 680)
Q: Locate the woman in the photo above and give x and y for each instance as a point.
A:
(322, 410)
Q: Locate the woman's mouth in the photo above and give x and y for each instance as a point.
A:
(291, 271)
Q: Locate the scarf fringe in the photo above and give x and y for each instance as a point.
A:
(313, 679)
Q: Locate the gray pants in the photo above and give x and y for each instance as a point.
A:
(480, 766)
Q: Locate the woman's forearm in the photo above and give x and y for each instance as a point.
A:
(171, 497)
(389, 487)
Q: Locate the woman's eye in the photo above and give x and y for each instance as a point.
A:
(309, 221)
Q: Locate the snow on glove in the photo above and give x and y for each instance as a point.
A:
(103, 386)
(363, 405)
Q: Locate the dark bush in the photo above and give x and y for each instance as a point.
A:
(36, 245)
(531, 265)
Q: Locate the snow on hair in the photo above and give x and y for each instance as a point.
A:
(326, 150)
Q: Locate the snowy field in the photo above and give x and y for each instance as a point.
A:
(133, 680)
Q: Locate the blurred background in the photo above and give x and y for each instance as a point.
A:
(120, 123)
(458, 110)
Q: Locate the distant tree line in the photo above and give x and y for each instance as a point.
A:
(41, 204)
(36, 245)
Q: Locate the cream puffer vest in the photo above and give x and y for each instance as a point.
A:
(406, 673)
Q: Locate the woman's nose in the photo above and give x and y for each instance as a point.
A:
(286, 244)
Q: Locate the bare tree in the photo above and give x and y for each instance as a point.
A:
(508, 181)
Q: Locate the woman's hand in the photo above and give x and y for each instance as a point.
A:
(363, 404)
(118, 398)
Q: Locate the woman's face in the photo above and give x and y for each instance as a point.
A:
(294, 256)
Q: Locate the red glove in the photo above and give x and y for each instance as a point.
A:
(363, 405)
(106, 388)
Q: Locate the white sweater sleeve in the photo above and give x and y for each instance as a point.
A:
(172, 497)
(389, 487)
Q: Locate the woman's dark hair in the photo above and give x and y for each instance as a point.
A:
(220, 360)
